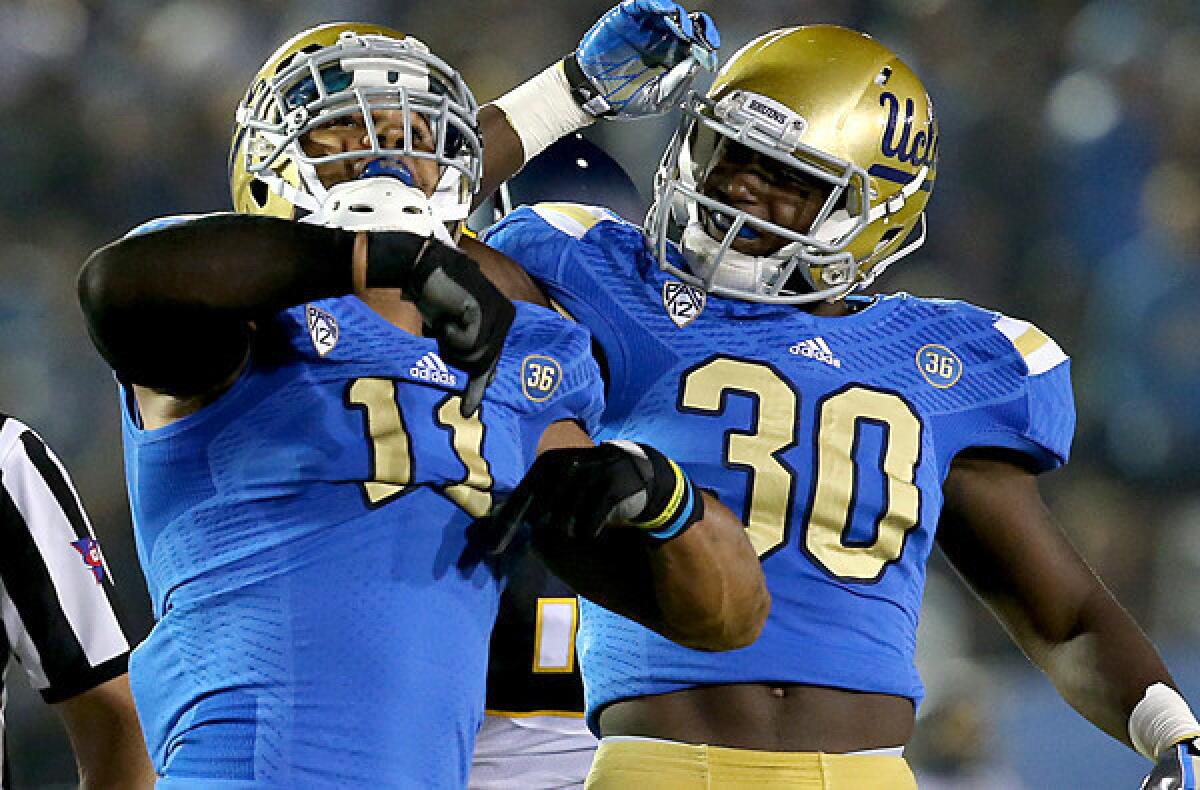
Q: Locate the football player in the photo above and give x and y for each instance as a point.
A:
(850, 431)
(533, 734)
(303, 461)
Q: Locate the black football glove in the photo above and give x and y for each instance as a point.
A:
(1177, 768)
(580, 491)
(465, 313)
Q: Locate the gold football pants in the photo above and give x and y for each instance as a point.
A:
(665, 765)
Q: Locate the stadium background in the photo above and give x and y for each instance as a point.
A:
(1069, 195)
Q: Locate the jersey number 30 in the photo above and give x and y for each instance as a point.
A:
(835, 475)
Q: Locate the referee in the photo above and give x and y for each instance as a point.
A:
(57, 615)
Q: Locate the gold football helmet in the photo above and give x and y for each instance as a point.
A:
(831, 104)
(337, 70)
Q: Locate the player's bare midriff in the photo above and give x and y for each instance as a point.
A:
(768, 717)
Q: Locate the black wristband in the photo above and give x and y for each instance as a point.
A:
(583, 90)
(433, 256)
(674, 502)
(398, 259)
(392, 258)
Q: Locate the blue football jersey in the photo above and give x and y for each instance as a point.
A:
(830, 437)
(321, 621)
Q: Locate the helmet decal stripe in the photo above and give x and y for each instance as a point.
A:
(898, 176)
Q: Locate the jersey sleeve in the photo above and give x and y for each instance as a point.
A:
(59, 618)
(559, 377)
(587, 261)
(545, 239)
(1044, 424)
(583, 395)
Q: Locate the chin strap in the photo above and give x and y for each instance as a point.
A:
(730, 270)
(380, 203)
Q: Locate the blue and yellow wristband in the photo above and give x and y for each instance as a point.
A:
(675, 502)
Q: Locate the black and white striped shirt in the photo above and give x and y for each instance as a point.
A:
(55, 588)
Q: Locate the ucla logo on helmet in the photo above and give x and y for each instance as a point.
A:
(540, 377)
(940, 366)
(899, 142)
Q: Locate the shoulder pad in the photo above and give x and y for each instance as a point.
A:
(543, 328)
(1038, 349)
(573, 219)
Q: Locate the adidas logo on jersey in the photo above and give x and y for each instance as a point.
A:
(816, 348)
(431, 368)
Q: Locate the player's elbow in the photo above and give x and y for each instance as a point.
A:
(735, 623)
(98, 286)
(104, 302)
(91, 282)
(745, 624)
(754, 618)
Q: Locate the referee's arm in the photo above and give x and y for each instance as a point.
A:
(58, 617)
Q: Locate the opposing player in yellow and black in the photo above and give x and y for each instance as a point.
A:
(851, 431)
(533, 734)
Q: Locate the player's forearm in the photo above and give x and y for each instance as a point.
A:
(625, 527)
(997, 532)
(170, 309)
(1104, 665)
(709, 584)
(224, 265)
(624, 575)
(503, 156)
(106, 738)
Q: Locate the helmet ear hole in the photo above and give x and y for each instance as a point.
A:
(851, 198)
(679, 209)
(259, 192)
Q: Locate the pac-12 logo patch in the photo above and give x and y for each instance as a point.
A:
(940, 366)
(540, 376)
(89, 550)
(684, 302)
(322, 329)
